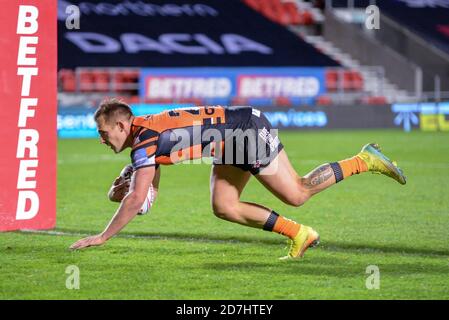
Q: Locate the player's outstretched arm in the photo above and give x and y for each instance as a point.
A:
(128, 209)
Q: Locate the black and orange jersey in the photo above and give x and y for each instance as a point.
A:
(183, 134)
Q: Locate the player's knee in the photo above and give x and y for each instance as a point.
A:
(225, 210)
(297, 199)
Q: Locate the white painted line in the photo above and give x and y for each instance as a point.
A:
(136, 236)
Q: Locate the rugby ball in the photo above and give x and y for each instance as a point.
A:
(148, 202)
(127, 173)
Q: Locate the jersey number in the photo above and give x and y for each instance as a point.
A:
(206, 118)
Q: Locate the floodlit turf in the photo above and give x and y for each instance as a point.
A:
(184, 252)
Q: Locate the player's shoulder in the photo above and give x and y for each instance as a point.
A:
(145, 136)
(142, 121)
(143, 132)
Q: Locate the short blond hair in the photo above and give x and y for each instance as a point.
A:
(112, 109)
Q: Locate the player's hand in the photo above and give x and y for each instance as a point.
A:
(119, 189)
(91, 241)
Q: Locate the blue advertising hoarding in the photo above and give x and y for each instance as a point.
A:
(258, 86)
(78, 121)
(428, 116)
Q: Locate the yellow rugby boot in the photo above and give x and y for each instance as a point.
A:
(377, 162)
(306, 238)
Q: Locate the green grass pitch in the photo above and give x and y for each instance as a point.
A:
(182, 251)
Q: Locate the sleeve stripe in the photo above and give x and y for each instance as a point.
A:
(141, 159)
(147, 134)
(138, 131)
(142, 146)
(145, 141)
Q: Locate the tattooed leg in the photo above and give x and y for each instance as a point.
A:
(319, 179)
(288, 186)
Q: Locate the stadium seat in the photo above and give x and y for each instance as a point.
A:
(282, 102)
(357, 81)
(347, 81)
(282, 12)
(293, 13)
(133, 99)
(86, 81)
(101, 80)
(266, 9)
(120, 81)
(280, 15)
(284, 17)
(239, 101)
(331, 80)
(127, 81)
(352, 80)
(67, 80)
(323, 101)
(307, 18)
(374, 100)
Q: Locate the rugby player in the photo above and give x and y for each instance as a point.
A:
(217, 131)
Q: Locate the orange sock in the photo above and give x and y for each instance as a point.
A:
(281, 225)
(286, 227)
(351, 166)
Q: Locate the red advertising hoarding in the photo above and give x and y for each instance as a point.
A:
(28, 111)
